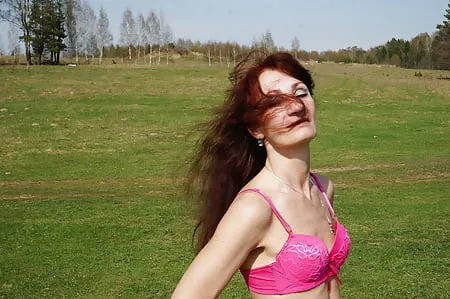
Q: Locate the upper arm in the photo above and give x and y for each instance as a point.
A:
(238, 233)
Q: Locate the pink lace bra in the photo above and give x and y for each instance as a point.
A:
(303, 262)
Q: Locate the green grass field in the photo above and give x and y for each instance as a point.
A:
(92, 163)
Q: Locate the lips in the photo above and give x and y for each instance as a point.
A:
(298, 122)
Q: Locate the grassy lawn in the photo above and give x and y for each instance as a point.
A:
(93, 161)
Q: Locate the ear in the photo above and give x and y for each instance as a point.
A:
(256, 133)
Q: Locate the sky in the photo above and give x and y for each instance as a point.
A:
(319, 24)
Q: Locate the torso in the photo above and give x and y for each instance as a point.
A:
(305, 217)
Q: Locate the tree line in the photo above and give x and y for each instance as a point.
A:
(49, 27)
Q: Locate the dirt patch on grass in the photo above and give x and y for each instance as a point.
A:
(351, 168)
(110, 188)
(88, 195)
(94, 182)
(89, 188)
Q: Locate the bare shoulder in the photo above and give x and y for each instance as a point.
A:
(327, 185)
(245, 222)
(251, 208)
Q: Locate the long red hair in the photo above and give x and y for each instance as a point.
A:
(228, 156)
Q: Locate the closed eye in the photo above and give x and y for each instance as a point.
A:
(301, 92)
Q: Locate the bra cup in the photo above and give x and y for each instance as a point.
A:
(342, 253)
(341, 249)
(303, 262)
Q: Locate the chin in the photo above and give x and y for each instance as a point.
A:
(306, 137)
(305, 132)
(299, 139)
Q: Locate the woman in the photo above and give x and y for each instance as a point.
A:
(262, 210)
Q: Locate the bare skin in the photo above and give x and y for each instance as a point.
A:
(249, 235)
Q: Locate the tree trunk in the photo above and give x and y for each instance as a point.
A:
(101, 56)
(209, 58)
(150, 54)
(167, 54)
(27, 47)
(15, 56)
(159, 54)
(129, 52)
(220, 56)
(138, 54)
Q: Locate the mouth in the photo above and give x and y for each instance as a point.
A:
(298, 123)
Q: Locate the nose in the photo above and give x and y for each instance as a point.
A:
(295, 108)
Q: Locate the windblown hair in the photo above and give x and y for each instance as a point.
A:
(228, 156)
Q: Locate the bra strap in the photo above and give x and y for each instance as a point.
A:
(272, 206)
(327, 200)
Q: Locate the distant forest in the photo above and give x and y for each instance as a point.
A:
(50, 29)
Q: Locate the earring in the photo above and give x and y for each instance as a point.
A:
(260, 142)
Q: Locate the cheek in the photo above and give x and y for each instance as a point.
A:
(311, 106)
(275, 119)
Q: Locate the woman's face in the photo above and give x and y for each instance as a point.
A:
(288, 125)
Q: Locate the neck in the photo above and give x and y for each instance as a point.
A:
(291, 165)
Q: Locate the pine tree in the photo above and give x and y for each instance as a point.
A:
(37, 24)
(441, 44)
(47, 27)
(57, 31)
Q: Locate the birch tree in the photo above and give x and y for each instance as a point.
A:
(85, 29)
(88, 38)
(2, 50)
(155, 31)
(295, 46)
(128, 31)
(79, 30)
(141, 31)
(103, 35)
(144, 33)
(161, 35)
(71, 26)
(18, 12)
(14, 41)
(166, 37)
